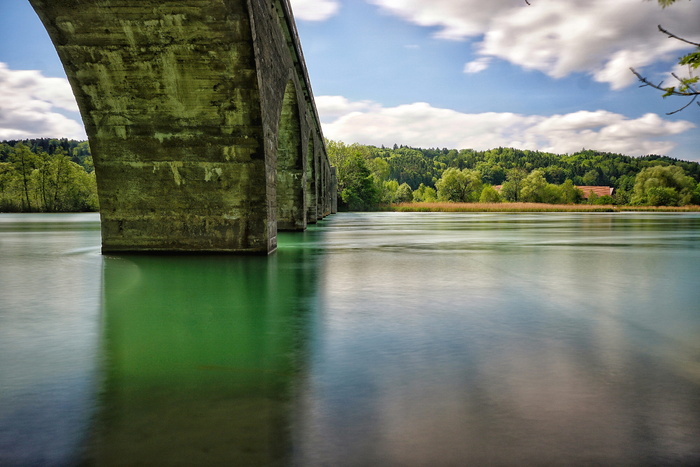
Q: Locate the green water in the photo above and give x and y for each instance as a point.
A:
(371, 339)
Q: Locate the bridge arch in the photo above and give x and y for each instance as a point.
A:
(184, 106)
(291, 172)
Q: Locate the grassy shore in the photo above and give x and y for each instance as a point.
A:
(529, 207)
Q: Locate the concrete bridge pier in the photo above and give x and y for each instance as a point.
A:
(201, 121)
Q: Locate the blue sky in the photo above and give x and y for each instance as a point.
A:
(552, 76)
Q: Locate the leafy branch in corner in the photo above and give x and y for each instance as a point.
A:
(686, 87)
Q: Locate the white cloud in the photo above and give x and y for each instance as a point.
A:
(330, 107)
(314, 10)
(421, 125)
(29, 103)
(559, 37)
(478, 65)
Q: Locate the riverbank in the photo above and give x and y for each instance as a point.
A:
(529, 207)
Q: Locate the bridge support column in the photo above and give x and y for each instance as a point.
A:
(333, 191)
(195, 112)
(311, 183)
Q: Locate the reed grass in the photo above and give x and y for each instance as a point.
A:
(528, 207)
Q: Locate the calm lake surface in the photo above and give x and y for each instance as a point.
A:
(382, 339)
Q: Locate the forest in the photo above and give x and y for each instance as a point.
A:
(47, 175)
(57, 175)
(370, 176)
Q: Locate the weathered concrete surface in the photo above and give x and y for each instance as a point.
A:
(201, 120)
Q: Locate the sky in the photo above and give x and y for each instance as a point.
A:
(460, 74)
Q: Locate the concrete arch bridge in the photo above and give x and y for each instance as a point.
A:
(201, 121)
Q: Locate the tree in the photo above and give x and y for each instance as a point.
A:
(489, 195)
(663, 186)
(356, 184)
(379, 168)
(357, 189)
(554, 174)
(512, 186)
(662, 196)
(24, 162)
(7, 173)
(552, 194)
(424, 194)
(459, 185)
(410, 166)
(387, 191)
(569, 193)
(533, 187)
(591, 178)
(404, 194)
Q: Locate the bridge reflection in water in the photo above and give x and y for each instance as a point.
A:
(201, 356)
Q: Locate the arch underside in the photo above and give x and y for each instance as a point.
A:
(291, 174)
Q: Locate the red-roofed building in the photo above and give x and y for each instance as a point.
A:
(598, 190)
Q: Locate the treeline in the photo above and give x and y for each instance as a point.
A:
(57, 175)
(47, 175)
(369, 176)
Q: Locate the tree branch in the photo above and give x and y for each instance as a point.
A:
(685, 106)
(671, 91)
(673, 36)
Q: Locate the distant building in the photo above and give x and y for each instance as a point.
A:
(598, 190)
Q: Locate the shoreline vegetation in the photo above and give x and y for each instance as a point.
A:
(57, 175)
(529, 207)
(403, 178)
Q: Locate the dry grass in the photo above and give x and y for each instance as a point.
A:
(529, 207)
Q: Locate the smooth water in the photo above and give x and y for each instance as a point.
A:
(389, 339)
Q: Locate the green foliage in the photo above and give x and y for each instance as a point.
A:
(357, 189)
(695, 196)
(506, 166)
(512, 187)
(569, 194)
(459, 185)
(409, 166)
(489, 195)
(552, 194)
(387, 191)
(600, 200)
(58, 175)
(663, 186)
(425, 194)
(662, 196)
(621, 197)
(591, 178)
(404, 194)
(379, 167)
(32, 179)
(24, 162)
(392, 192)
(533, 187)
